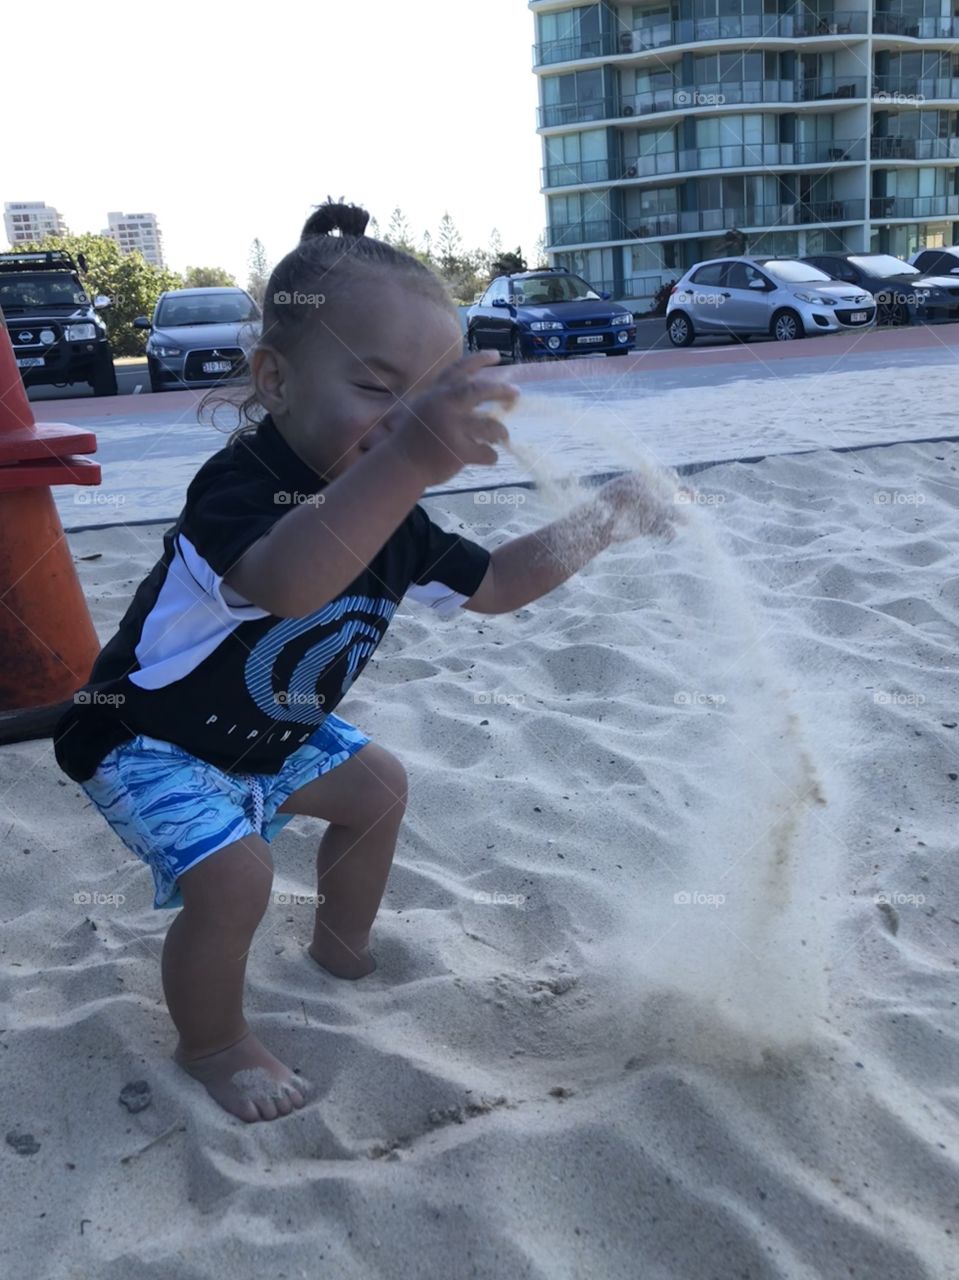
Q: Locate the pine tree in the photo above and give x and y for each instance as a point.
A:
(259, 271)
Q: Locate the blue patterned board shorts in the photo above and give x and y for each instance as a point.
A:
(173, 809)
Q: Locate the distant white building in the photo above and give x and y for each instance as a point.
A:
(27, 220)
(137, 231)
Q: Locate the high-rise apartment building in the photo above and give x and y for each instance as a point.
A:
(137, 231)
(29, 220)
(805, 127)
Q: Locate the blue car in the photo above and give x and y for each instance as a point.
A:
(550, 312)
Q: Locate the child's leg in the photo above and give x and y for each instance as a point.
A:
(363, 800)
(204, 967)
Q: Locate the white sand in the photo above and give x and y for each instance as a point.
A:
(559, 1071)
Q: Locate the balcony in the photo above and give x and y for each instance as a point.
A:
(918, 28)
(714, 221)
(897, 147)
(914, 90)
(722, 93)
(732, 156)
(742, 27)
(883, 207)
(572, 50)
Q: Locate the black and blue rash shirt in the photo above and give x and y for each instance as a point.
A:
(195, 664)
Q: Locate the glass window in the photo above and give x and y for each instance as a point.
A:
(710, 274)
(794, 272)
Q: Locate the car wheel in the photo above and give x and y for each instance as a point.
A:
(787, 326)
(104, 380)
(680, 330)
(472, 341)
(516, 348)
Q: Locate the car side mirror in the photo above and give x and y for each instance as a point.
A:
(604, 295)
(141, 322)
(100, 302)
(500, 302)
(757, 284)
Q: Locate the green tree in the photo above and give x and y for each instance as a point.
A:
(259, 271)
(449, 244)
(507, 263)
(398, 233)
(207, 278)
(130, 282)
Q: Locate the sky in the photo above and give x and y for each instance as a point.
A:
(230, 121)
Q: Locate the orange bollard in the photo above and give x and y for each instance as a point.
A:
(47, 639)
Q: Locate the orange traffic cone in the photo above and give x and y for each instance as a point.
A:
(47, 638)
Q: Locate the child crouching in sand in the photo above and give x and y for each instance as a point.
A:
(279, 579)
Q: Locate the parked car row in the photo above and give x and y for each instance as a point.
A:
(790, 298)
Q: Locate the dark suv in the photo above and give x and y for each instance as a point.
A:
(549, 312)
(58, 338)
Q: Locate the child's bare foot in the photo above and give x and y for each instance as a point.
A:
(343, 959)
(246, 1080)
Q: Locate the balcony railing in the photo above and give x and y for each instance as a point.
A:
(572, 50)
(657, 225)
(896, 147)
(742, 27)
(721, 93)
(905, 24)
(914, 89)
(747, 155)
(746, 26)
(914, 206)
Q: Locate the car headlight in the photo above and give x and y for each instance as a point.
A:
(816, 298)
(165, 351)
(545, 324)
(623, 319)
(79, 332)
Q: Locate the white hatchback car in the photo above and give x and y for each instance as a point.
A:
(780, 297)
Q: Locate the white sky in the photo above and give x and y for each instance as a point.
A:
(229, 121)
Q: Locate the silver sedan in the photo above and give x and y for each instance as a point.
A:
(781, 297)
(199, 337)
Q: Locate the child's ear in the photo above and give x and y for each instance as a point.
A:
(269, 369)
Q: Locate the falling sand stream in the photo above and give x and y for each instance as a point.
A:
(730, 948)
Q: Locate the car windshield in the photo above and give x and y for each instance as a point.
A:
(208, 308)
(795, 272)
(884, 264)
(41, 291)
(535, 291)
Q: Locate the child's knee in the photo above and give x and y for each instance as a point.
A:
(388, 783)
(232, 886)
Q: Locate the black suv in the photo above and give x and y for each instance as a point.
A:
(57, 336)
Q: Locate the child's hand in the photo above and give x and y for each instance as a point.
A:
(441, 430)
(632, 508)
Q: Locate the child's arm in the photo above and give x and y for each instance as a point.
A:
(316, 550)
(533, 565)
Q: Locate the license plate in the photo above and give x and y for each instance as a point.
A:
(217, 366)
(29, 362)
(592, 337)
(857, 317)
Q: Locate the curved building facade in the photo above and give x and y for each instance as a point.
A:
(669, 124)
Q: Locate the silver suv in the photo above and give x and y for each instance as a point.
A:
(781, 297)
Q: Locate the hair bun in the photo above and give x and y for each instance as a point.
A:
(348, 219)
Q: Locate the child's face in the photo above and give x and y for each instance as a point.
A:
(330, 399)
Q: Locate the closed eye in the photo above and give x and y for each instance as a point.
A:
(367, 387)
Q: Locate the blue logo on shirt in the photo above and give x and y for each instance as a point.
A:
(301, 699)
